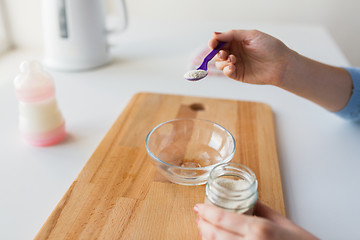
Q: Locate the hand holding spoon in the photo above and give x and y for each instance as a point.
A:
(201, 72)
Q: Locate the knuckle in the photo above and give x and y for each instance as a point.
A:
(209, 234)
(212, 236)
(220, 217)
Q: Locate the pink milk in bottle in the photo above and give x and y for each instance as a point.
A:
(40, 120)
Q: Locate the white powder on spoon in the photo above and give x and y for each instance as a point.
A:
(195, 74)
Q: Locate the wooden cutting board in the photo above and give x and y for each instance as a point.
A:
(120, 195)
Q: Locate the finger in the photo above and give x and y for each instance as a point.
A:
(213, 43)
(228, 68)
(232, 58)
(224, 60)
(209, 231)
(222, 64)
(221, 56)
(224, 56)
(230, 221)
(230, 71)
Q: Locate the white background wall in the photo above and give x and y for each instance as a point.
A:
(340, 17)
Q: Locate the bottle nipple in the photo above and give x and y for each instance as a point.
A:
(33, 84)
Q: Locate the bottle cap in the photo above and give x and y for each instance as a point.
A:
(33, 84)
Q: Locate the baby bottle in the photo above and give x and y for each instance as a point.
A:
(40, 121)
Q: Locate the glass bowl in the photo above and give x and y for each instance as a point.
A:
(186, 150)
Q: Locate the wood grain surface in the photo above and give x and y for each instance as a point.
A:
(120, 195)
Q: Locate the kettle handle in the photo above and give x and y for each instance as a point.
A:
(125, 19)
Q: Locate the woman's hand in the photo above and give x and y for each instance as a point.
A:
(251, 56)
(215, 223)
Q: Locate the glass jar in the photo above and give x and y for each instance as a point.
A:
(233, 187)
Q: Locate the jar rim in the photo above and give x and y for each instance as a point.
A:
(233, 166)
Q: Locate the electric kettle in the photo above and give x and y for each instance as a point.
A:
(75, 34)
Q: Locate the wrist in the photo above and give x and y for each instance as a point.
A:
(292, 66)
(323, 84)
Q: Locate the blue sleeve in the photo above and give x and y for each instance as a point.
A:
(352, 109)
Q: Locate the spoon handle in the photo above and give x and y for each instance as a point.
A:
(210, 56)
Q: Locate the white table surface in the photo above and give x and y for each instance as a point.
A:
(319, 153)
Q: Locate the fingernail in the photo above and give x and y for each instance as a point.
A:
(221, 54)
(196, 209)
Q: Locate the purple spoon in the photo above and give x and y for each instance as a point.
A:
(201, 72)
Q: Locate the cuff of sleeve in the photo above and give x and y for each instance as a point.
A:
(352, 109)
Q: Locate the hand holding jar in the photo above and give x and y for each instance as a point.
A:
(231, 200)
(216, 223)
